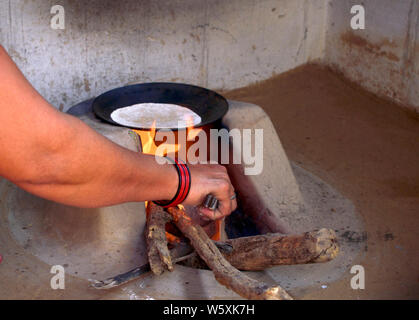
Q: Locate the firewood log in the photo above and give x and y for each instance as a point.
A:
(158, 253)
(246, 253)
(268, 250)
(223, 271)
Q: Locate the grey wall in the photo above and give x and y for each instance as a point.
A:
(384, 58)
(220, 44)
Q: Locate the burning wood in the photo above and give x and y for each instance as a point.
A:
(157, 250)
(226, 258)
(224, 272)
(268, 250)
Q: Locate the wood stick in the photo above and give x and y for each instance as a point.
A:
(158, 253)
(268, 250)
(179, 253)
(224, 272)
(261, 252)
(244, 254)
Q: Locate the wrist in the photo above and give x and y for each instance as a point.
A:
(170, 181)
(183, 184)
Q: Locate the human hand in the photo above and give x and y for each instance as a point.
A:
(211, 179)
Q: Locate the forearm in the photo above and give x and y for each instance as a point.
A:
(58, 157)
(85, 169)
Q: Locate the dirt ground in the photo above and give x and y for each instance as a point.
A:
(368, 149)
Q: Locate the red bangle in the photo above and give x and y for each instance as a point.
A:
(183, 187)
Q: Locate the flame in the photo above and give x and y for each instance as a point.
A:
(149, 145)
(192, 132)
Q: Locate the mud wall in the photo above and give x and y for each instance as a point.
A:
(384, 57)
(218, 44)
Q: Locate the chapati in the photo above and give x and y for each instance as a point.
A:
(165, 115)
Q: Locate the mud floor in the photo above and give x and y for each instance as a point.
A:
(368, 149)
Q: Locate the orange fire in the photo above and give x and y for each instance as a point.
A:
(148, 142)
(192, 132)
(149, 146)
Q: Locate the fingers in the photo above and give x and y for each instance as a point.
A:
(220, 212)
(212, 179)
(209, 214)
(224, 193)
(234, 204)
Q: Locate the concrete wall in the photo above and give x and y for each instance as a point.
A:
(383, 58)
(219, 44)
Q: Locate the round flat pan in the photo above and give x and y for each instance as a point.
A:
(209, 105)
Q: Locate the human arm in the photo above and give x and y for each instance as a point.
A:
(58, 157)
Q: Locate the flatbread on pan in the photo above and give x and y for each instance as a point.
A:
(165, 115)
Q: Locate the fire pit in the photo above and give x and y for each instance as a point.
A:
(104, 242)
(207, 104)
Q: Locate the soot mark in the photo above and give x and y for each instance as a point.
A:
(353, 236)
